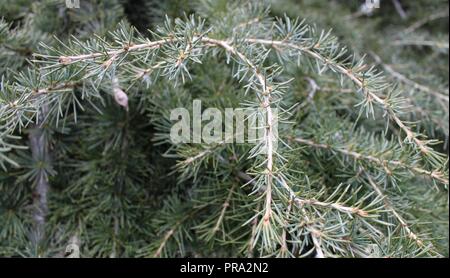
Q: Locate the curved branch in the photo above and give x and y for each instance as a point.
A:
(400, 77)
(411, 136)
(266, 104)
(404, 225)
(437, 175)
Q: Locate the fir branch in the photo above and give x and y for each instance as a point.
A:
(416, 25)
(111, 56)
(436, 175)
(301, 202)
(316, 238)
(225, 207)
(385, 103)
(294, 213)
(438, 94)
(252, 241)
(58, 88)
(419, 43)
(171, 232)
(313, 52)
(266, 91)
(284, 250)
(399, 9)
(401, 220)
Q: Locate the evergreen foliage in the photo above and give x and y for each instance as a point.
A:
(361, 168)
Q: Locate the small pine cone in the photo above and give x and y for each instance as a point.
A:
(121, 98)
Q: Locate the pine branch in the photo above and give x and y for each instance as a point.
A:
(436, 175)
(437, 44)
(391, 208)
(310, 51)
(252, 241)
(438, 94)
(284, 250)
(416, 25)
(370, 95)
(111, 56)
(301, 202)
(295, 212)
(225, 206)
(399, 9)
(171, 232)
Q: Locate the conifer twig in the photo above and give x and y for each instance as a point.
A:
(439, 95)
(437, 44)
(294, 210)
(268, 136)
(416, 25)
(404, 225)
(301, 202)
(225, 206)
(171, 232)
(399, 9)
(410, 135)
(437, 175)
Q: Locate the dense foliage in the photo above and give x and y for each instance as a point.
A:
(361, 168)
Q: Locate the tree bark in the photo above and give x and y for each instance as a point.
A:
(40, 154)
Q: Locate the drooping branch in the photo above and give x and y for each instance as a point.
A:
(224, 209)
(110, 55)
(437, 44)
(269, 132)
(399, 9)
(309, 51)
(436, 175)
(173, 230)
(301, 202)
(270, 179)
(370, 95)
(404, 225)
(400, 77)
(416, 25)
